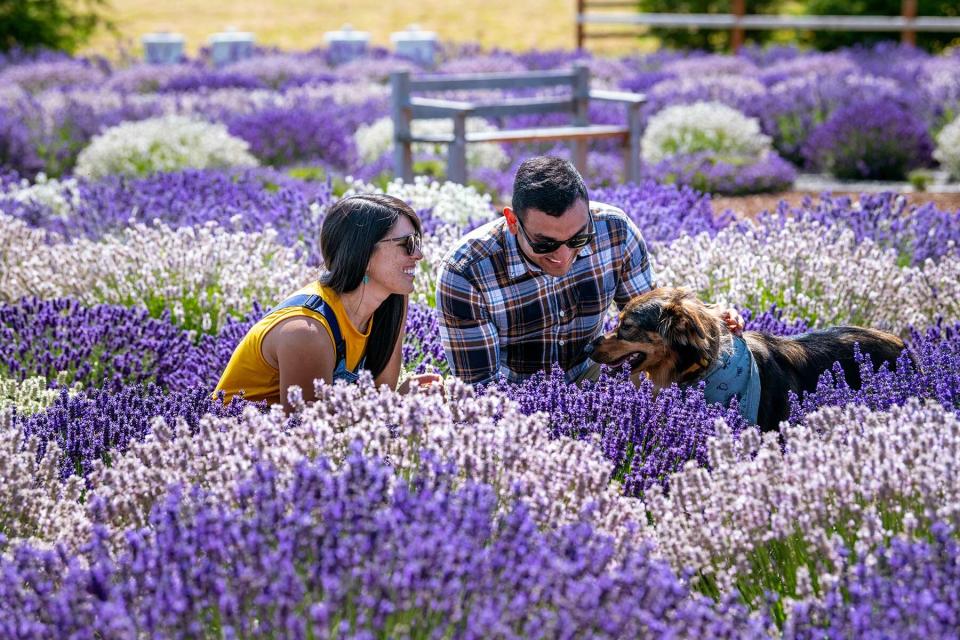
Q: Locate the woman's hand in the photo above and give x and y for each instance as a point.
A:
(422, 380)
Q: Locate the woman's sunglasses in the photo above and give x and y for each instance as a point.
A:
(411, 242)
(549, 246)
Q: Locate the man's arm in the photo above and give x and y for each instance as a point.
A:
(469, 337)
(636, 270)
(636, 276)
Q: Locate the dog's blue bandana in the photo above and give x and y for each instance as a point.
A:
(735, 374)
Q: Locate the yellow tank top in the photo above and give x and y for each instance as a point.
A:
(249, 372)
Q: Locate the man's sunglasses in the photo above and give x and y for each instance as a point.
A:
(411, 242)
(549, 246)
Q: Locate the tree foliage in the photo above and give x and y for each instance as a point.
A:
(63, 25)
(836, 39)
(707, 39)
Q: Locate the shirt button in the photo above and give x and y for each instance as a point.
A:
(562, 313)
(561, 343)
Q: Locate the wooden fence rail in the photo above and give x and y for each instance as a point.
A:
(908, 23)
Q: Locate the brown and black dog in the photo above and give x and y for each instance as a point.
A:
(674, 337)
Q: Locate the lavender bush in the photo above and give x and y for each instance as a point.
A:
(709, 173)
(872, 139)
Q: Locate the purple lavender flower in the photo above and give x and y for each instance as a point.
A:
(422, 349)
(873, 139)
(17, 150)
(645, 437)
(305, 131)
(908, 590)
(664, 212)
(918, 233)
(929, 368)
(101, 347)
(707, 173)
(101, 424)
(354, 553)
(250, 199)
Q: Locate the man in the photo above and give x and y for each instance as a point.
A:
(533, 288)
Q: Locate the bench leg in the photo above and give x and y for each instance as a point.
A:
(457, 164)
(631, 165)
(457, 151)
(580, 156)
(403, 160)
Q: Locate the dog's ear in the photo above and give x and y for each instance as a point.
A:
(682, 323)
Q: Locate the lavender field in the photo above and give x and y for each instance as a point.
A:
(149, 215)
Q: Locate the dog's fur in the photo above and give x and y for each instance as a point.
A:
(673, 337)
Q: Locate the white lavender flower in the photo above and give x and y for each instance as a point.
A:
(165, 143)
(947, 152)
(846, 471)
(61, 197)
(702, 126)
(376, 139)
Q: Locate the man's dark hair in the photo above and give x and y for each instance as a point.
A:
(549, 184)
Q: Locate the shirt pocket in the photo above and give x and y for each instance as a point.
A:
(588, 298)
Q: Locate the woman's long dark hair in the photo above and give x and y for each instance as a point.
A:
(350, 232)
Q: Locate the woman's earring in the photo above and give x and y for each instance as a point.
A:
(366, 278)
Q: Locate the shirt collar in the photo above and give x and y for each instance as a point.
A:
(518, 266)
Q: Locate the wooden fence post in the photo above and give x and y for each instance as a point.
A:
(908, 11)
(736, 34)
(580, 8)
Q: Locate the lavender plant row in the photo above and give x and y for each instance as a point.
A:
(351, 552)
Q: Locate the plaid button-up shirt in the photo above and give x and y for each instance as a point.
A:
(502, 315)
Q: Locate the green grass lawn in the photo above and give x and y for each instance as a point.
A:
(300, 24)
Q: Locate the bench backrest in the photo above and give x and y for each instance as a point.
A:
(577, 79)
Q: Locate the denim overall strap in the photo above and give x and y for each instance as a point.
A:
(318, 305)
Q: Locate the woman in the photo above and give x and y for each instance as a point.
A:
(352, 318)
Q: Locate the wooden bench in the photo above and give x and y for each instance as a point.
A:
(406, 107)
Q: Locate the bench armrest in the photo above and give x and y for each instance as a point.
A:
(433, 107)
(617, 96)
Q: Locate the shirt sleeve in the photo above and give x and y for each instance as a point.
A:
(469, 337)
(636, 272)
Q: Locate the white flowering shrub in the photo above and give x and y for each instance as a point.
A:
(702, 126)
(376, 139)
(166, 143)
(61, 197)
(947, 152)
(447, 202)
